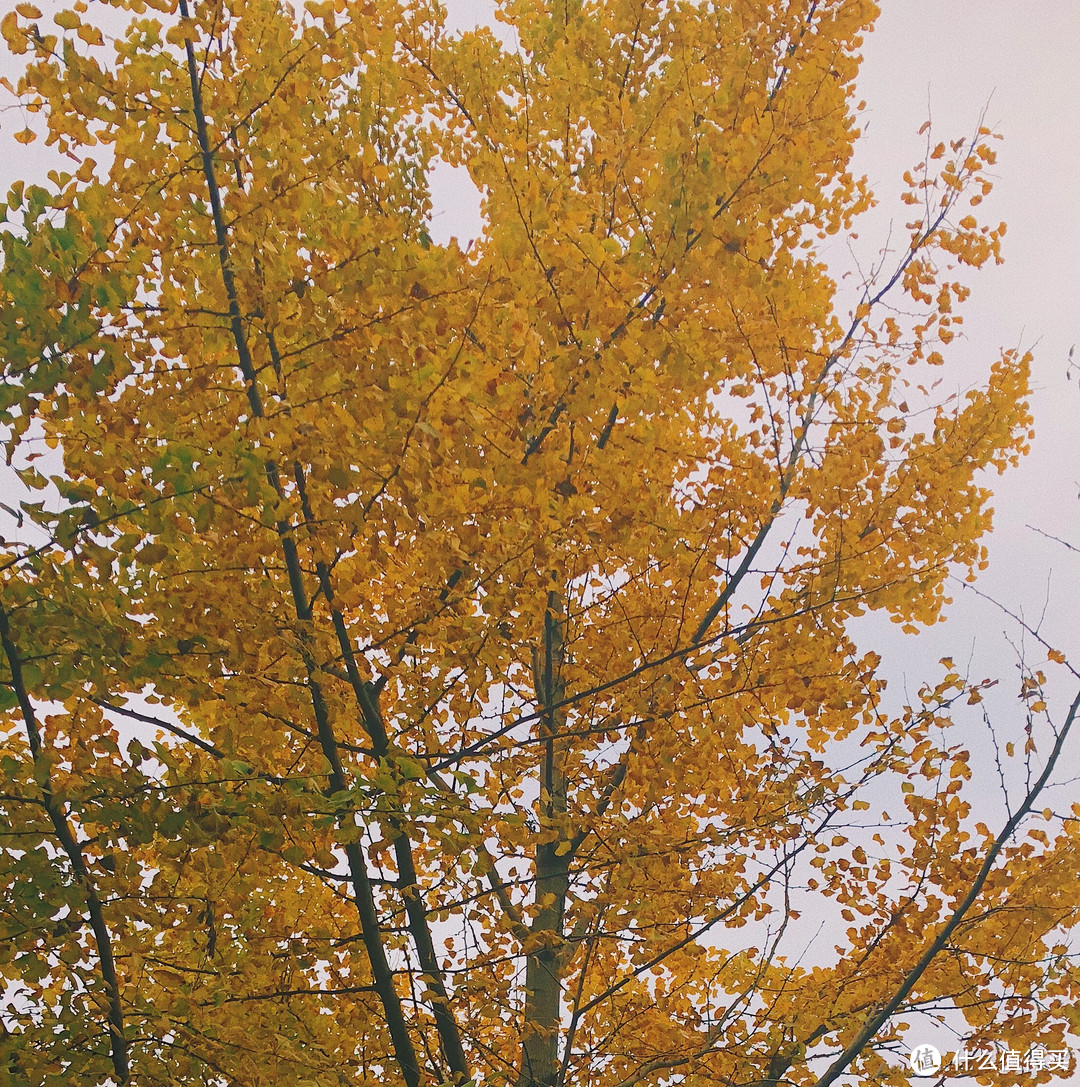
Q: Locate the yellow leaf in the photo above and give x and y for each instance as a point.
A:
(9, 27)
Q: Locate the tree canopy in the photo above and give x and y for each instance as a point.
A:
(425, 665)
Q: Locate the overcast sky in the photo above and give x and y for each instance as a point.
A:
(949, 59)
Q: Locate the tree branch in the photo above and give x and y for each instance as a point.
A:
(876, 1021)
(118, 1043)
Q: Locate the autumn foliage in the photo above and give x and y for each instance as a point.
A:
(424, 665)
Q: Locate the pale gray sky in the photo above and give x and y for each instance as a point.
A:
(949, 59)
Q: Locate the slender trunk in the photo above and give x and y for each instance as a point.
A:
(367, 702)
(370, 926)
(543, 967)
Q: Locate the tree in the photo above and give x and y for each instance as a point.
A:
(433, 665)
